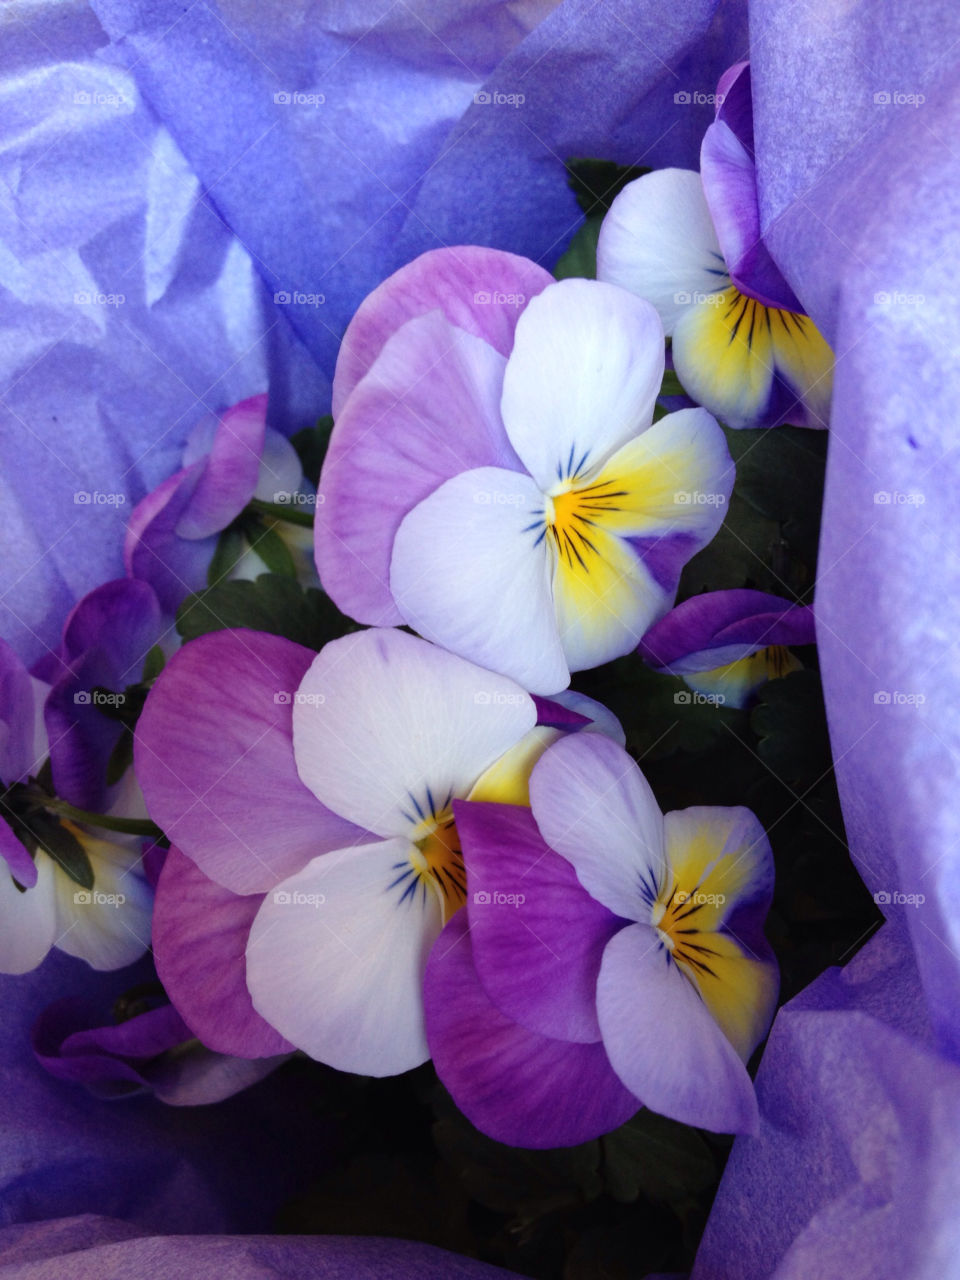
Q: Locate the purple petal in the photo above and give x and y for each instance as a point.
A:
(663, 1042)
(554, 715)
(19, 863)
(105, 641)
(718, 627)
(735, 103)
(516, 1086)
(463, 282)
(231, 472)
(729, 178)
(200, 934)
(17, 719)
(428, 410)
(537, 935)
(155, 552)
(214, 755)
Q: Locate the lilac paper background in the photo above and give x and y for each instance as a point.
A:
(199, 197)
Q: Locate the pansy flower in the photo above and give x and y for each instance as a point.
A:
(63, 884)
(172, 534)
(691, 243)
(728, 644)
(611, 956)
(309, 798)
(495, 478)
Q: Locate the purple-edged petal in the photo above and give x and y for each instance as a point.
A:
(231, 472)
(718, 627)
(594, 806)
(214, 755)
(29, 920)
(427, 410)
(537, 934)
(388, 728)
(729, 178)
(552, 714)
(662, 1040)
(18, 861)
(106, 639)
(471, 571)
(582, 378)
(517, 1087)
(735, 103)
(658, 241)
(337, 954)
(153, 549)
(17, 720)
(200, 934)
(481, 291)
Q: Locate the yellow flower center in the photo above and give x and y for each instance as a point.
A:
(438, 861)
(573, 515)
(675, 920)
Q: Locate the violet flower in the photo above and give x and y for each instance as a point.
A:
(728, 644)
(692, 245)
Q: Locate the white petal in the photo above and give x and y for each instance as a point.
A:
(594, 806)
(336, 959)
(387, 727)
(280, 469)
(109, 927)
(582, 378)
(28, 920)
(658, 241)
(471, 571)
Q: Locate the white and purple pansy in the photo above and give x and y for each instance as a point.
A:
(228, 461)
(692, 244)
(728, 644)
(495, 478)
(309, 798)
(610, 956)
(62, 884)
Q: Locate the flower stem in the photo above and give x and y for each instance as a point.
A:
(280, 511)
(129, 826)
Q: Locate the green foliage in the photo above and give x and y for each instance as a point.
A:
(270, 603)
(597, 183)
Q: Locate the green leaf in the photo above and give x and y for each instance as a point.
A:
(791, 726)
(580, 258)
(781, 473)
(311, 446)
(153, 664)
(121, 757)
(267, 543)
(658, 1158)
(270, 603)
(62, 845)
(231, 547)
(597, 183)
(659, 713)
